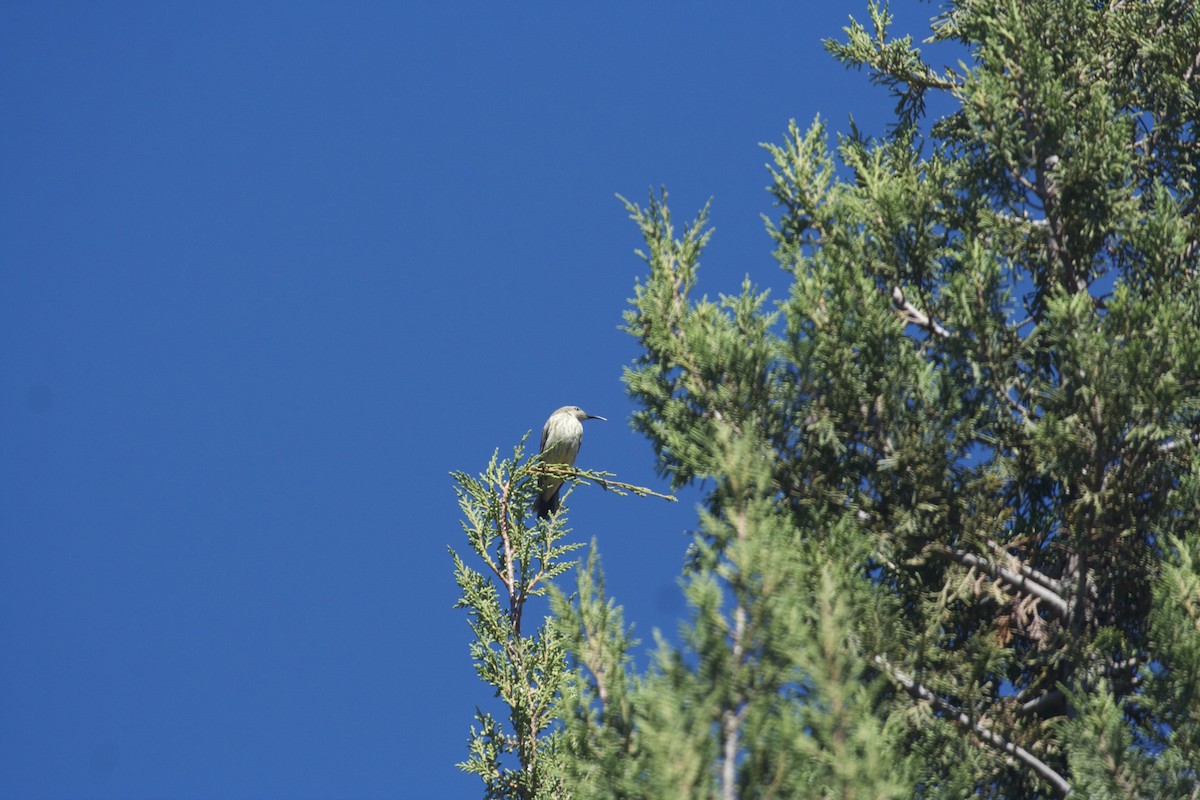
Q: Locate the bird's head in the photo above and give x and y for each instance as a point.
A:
(578, 413)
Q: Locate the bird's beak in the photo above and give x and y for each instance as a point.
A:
(593, 416)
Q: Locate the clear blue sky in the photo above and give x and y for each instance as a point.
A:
(269, 272)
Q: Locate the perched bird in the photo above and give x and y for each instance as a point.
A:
(560, 444)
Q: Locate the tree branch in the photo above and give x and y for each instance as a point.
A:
(1024, 219)
(1022, 583)
(1052, 698)
(601, 479)
(508, 575)
(1053, 585)
(916, 316)
(1015, 751)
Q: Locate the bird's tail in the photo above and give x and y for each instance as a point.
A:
(545, 506)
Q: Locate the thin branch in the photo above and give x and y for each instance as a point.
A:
(1016, 406)
(731, 722)
(916, 316)
(508, 576)
(1052, 584)
(1015, 580)
(919, 692)
(601, 479)
(730, 733)
(1192, 67)
(1024, 219)
(1051, 698)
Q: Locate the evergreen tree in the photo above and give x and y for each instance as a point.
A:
(951, 536)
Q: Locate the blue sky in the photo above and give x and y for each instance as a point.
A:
(269, 272)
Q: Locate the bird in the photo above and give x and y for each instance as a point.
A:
(561, 437)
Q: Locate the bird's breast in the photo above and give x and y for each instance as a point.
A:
(561, 452)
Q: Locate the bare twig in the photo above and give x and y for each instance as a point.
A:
(1013, 750)
(1024, 219)
(1016, 406)
(916, 316)
(1028, 571)
(1022, 583)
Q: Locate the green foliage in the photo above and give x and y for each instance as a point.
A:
(520, 557)
(949, 540)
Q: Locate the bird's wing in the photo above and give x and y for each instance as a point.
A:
(545, 435)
